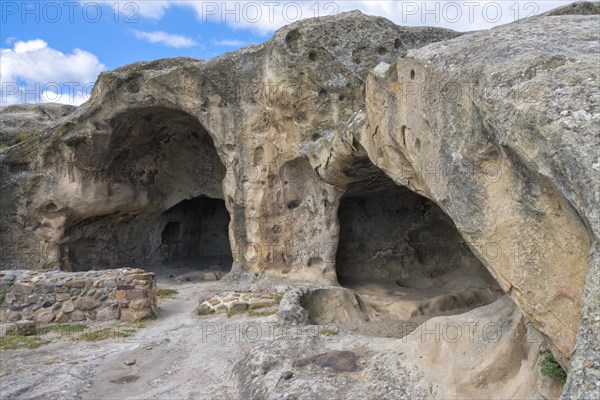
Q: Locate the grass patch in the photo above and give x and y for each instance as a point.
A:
(277, 297)
(166, 293)
(329, 332)
(41, 336)
(551, 368)
(13, 342)
(107, 333)
(76, 332)
(62, 329)
(261, 313)
(21, 136)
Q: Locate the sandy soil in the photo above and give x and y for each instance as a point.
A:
(181, 355)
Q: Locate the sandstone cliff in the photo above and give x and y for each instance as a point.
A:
(498, 128)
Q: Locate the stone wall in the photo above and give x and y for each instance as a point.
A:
(55, 296)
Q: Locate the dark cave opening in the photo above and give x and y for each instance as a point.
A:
(397, 245)
(172, 233)
(196, 233)
(175, 215)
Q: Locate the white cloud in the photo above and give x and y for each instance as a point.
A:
(131, 11)
(264, 17)
(65, 97)
(31, 68)
(168, 39)
(31, 45)
(228, 42)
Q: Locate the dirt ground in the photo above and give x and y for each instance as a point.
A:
(181, 355)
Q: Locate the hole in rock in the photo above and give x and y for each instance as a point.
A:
(51, 207)
(412, 74)
(293, 40)
(172, 216)
(171, 233)
(403, 255)
(293, 204)
(196, 234)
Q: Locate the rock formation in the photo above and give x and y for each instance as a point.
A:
(491, 134)
(21, 121)
(480, 148)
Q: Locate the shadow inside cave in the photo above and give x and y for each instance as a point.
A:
(403, 255)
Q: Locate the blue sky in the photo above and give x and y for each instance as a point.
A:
(52, 51)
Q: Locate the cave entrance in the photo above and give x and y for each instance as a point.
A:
(162, 198)
(397, 247)
(195, 235)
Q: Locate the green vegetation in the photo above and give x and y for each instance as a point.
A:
(112, 332)
(277, 297)
(551, 368)
(12, 342)
(166, 293)
(231, 313)
(76, 332)
(62, 329)
(103, 334)
(39, 336)
(262, 313)
(329, 332)
(21, 136)
(2, 297)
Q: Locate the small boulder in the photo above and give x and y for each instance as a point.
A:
(210, 276)
(204, 309)
(237, 306)
(22, 328)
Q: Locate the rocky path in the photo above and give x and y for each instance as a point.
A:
(172, 359)
(182, 355)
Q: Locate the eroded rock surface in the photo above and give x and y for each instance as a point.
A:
(235, 128)
(21, 121)
(502, 134)
(495, 131)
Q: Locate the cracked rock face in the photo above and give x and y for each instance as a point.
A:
(495, 132)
